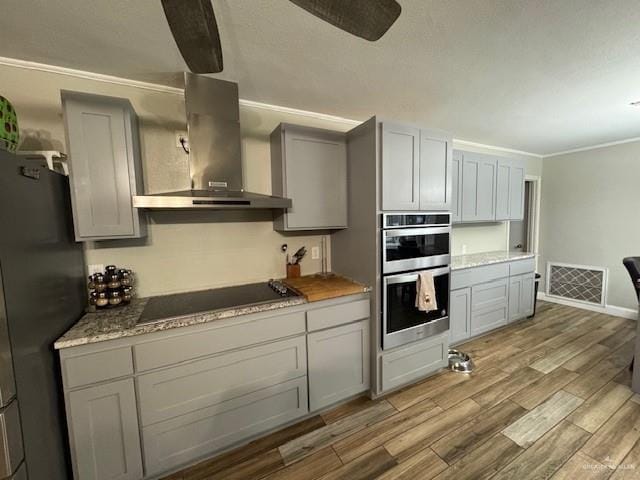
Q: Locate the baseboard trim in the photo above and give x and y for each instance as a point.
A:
(613, 310)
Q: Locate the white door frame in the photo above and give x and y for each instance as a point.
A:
(533, 240)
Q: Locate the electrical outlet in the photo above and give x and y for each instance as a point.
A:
(95, 268)
(315, 253)
(182, 140)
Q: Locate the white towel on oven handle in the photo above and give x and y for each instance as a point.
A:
(426, 292)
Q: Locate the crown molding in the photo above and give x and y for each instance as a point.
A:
(498, 149)
(98, 77)
(593, 147)
(155, 87)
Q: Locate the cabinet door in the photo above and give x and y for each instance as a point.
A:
(515, 298)
(516, 192)
(103, 426)
(509, 190)
(527, 297)
(478, 187)
(456, 187)
(102, 160)
(503, 190)
(460, 315)
(435, 171)
(315, 172)
(400, 167)
(338, 363)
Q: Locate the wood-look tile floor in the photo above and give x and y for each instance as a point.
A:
(550, 398)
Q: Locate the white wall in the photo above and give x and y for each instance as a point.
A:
(590, 212)
(184, 250)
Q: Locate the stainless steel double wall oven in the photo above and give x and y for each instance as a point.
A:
(412, 243)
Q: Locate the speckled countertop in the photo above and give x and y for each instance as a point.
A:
(459, 262)
(122, 322)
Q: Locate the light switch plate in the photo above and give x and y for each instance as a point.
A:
(315, 253)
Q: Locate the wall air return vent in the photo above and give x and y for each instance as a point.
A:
(580, 283)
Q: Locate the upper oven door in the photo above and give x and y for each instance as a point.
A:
(414, 248)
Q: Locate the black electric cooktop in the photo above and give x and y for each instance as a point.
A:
(180, 304)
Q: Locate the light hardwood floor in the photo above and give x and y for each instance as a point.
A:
(550, 398)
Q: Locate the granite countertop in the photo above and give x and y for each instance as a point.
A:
(459, 262)
(122, 322)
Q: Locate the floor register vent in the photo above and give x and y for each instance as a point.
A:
(577, 282)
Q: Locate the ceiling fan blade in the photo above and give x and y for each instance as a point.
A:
(368, 19)
(194, 28)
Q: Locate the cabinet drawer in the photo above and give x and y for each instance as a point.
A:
(403, 366)
(181, 348)
(475, 275)
(180, 440)
(175, 391)
(335, 315)
(489, 318)
(490, 294)
(520, 267)
(80, 368)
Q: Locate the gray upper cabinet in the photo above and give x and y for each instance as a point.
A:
(510, 190)
(400, 167)
(435, 171)
(105, 172)
(309, 166)
(456, 190)
(103, 427)
(478, 187)
(486, 188)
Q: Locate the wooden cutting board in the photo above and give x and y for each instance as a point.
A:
(316, 288)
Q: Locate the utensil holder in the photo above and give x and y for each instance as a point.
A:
(293, 270)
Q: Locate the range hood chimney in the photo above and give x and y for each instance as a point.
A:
(215, 161)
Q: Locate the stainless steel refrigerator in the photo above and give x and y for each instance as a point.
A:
(41, 296)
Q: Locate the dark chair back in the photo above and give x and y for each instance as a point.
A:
(632, 265)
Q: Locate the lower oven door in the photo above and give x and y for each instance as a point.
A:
(402, 322)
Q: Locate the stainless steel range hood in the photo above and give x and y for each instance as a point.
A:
(215, 164)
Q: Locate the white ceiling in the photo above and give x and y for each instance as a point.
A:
(535, 75)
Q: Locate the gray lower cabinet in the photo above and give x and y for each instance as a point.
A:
(407, 364)
(309, 166)
(510, 190)
(521, 293)
(487, 297)
(104, 166)
(338, 363)
(103, 427)
(180, 440)
(186, 393)
(478, 187)
(460, 315)
(400, 167)
(435, 170)
(489, 306)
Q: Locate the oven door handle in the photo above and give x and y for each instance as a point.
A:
(412, 277)
(416, 232)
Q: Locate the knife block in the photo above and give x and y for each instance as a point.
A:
(293, 270)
